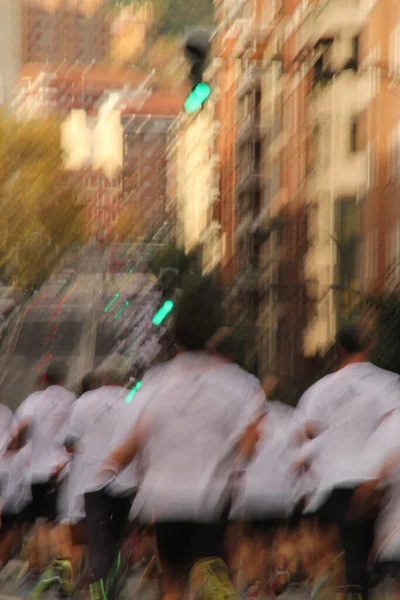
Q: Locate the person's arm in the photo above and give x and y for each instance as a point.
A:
(124, 454)
(246, 446)
(74, 431)
(19, 436)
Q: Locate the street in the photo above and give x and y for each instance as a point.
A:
(59, 322)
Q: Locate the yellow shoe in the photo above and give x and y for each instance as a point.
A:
(210, 580)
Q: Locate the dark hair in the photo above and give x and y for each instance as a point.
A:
(354, 337)
(91, 381)
(112, 377)
(56, 373)
(225, 343)
(198, 314)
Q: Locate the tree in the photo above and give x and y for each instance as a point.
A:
(129, 225)
(41, 216)
(173, 16)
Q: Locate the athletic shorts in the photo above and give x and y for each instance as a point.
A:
(8, 521)
(265, 526)
(180, 544)
(44, 500)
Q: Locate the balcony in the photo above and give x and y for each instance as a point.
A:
(249, 130)
(249, 178)
(348, 92)
(250, 81)
(345, 176)
(249, 32)
(248, 278)
(327, 19)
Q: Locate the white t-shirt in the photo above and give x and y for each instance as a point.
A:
(100, 421)
(267, 486)
(47, 412)
(347, 407)
(196, 409)
(6, 427)
(16, 493)
(382, 444)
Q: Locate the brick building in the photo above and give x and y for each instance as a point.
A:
(379, 134)
(65, 31)
(114, 129)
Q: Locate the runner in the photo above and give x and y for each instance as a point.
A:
(266, 492)
(41, 419)
(100, 420)
(14, 486)
(197, 408)
(341, 412)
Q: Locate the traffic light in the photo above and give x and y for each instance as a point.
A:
(197, 97)
(133, 391)
(162, 314)
(119, 313)
(109, 305)
(197, 48)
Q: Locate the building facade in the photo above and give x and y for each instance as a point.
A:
(115, 134)
(10, 48)
(68, 31)
(193, 185)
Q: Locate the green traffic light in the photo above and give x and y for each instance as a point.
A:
(109, 305)
(119, 313)
(163, 312)
(197, 97)
(133, 391)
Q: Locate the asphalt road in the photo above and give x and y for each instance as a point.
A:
(60, 322)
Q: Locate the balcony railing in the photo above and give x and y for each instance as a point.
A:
(250, 81)
(249, 179)
(248, 277)
(249, 130)
(326, 19)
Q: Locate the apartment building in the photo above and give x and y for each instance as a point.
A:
(114, 132)
(379, 131)
(10, 48)
(57, 31)
(194, 165)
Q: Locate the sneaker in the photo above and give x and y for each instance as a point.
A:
(66, 574)
(209, 580)
(49, 578)
(97, 591)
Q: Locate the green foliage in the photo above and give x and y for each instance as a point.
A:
(173, 16)
(177, 15)
(41, 217)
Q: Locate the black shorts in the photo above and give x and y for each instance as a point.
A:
(9, 521)
(180, 544)
(265, 526)
(44, 500)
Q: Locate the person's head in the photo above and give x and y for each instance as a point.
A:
(354, 342)
(56, 373)
(198, 315)
(91, 381)
(112, 377)
(271, 385)
(224, 344)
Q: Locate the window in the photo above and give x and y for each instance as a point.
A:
(394, 51)
(353, 135)
(353, 62)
